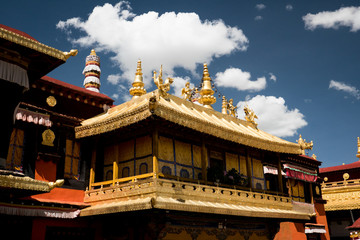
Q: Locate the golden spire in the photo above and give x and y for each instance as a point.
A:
(358, 152)
(206, 91)
(138, 89)
(224, 105)
(93, 52)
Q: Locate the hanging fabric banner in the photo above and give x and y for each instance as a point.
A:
(300, 173)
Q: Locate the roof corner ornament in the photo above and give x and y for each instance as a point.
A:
(138, 89)
(304, 145)
(73, 52)
(58, 183)
(314, 156)
(163, 87)
(250, 115)
(206, 92)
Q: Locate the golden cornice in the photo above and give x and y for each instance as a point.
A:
(27, 183)
(35, 45)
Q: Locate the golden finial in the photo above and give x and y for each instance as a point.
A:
(206, 91)
(138, 89)
(93, 52)
(250, 115)
(163, 87)
(314, 156)
(304, 145)
(224, 105)
(358, 152)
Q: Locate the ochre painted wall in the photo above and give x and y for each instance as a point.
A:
(321, 219)
(291, 231)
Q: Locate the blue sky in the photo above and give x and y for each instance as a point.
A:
(296, 63)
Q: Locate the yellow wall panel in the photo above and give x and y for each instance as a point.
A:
(143, 146)
(197, 156)
(166, 148)
(232, 161)
(243, 169)
(183, 153)
(126, 150)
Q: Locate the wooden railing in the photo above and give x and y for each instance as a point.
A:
(146, 185)
(354, 182)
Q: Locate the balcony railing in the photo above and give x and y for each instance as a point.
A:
(345, 183)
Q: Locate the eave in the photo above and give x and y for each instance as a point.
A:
(186, 114)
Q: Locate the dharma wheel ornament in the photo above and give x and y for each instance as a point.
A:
(138, 89)
(92, 72)
(206, 92)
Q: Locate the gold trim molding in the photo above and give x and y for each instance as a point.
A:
(35, 45)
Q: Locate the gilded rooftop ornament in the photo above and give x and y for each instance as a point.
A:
(73, 52)
(163, 87)
(231, 108)
(187, 92)
(304, 145)
(250, 115)
(138, 89)
(206, 92)
(227, 107)
(224, 105)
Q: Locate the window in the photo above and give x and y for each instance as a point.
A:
(166, 170)
(125, 172)
(184, 173)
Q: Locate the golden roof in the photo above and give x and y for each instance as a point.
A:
(35, 45)
(187, 114)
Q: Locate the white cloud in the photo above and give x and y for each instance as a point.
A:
(115, 96)
(345, 88)
(236, 78)
(274, 116)
(173, 39)
(343, 17)
(289, 7)
(260, 6)
(273, 77)
(258, 18)
(114, 79)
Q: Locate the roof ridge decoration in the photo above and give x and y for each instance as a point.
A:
(163, 87)
(206, 92)
(138, 89)
(304, 145)
(250, 116)
(35, 45)
(227, 107)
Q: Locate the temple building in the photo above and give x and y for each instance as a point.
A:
(341, 190)
(162, 167)
(155, 167)
(39, 153)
